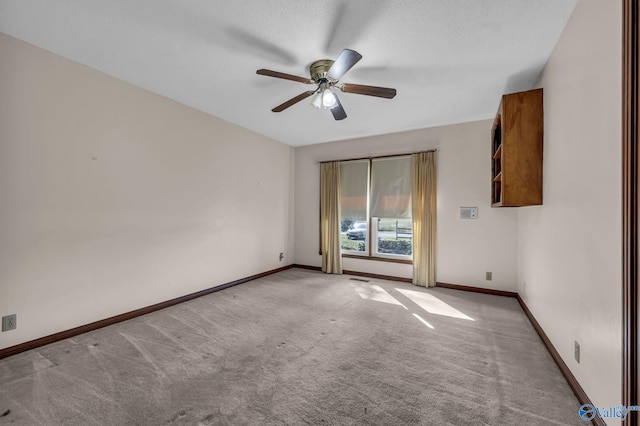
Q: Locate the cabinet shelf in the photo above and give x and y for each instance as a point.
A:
(516, 150)
(498, 153)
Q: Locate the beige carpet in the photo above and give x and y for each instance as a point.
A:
(295, 348)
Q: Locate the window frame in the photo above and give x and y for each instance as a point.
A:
(369, 253)
(374, 247)
(367, 238)
(367, 246)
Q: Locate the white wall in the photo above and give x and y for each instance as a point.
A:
(114, 198)
(570, 247)
(466, 249)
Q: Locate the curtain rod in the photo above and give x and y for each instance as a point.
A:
(381, 156)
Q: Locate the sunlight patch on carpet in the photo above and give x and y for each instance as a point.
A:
(423, 321)
(376, 293)
(433, 305)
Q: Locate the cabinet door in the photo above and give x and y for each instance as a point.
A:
(517, 157)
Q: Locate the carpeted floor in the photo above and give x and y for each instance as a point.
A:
(295, 348)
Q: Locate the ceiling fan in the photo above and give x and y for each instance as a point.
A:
(326, 74)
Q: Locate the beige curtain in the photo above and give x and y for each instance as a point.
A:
(423, 197)
(330, 217)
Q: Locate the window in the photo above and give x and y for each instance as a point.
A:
(376, 208)
(393, 237)
(354, 181)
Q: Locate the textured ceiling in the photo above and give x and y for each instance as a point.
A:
(450, 60)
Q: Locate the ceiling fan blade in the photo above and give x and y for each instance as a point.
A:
(277, 74)
(358, 89)
(338, 111)
(345, 61)
(293, 101)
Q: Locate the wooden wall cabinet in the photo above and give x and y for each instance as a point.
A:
(516, 150)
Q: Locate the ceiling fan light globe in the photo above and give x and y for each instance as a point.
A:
(316, 100)
(328, 99)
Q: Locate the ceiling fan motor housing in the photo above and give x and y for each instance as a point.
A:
(319, 70)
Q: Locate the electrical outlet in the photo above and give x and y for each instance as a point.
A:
(488, 276)
(281, 256)
(576, 352)
(9, 322)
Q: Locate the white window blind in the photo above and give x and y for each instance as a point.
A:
(354, 178)
(391, 187)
